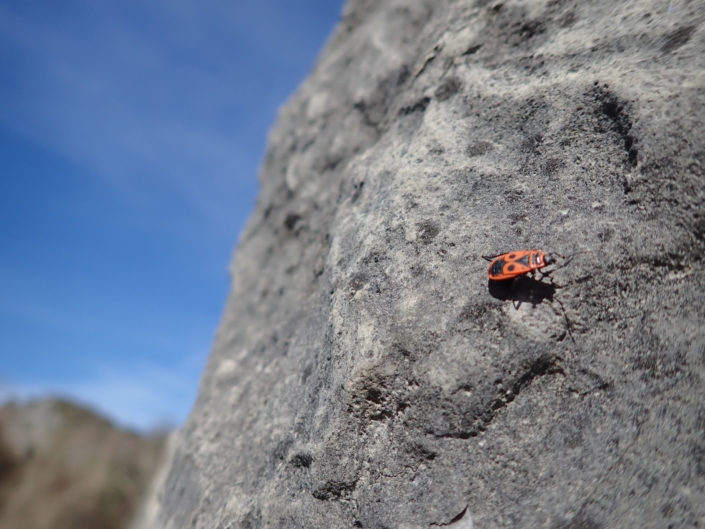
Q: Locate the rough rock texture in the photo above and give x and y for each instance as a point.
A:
(146, 517)
(367, 375)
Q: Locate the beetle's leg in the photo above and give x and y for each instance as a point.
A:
(548, 275)
(566, 260)
(515, 284)
(491, 257)
(568, 322)
(554, 284)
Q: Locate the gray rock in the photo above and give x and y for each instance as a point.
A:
(366, 374)
(147, 512)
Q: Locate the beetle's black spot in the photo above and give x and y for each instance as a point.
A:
(497, 267)
(511, 267)
(512, 255)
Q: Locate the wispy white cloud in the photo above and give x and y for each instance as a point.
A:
(142, 398)
(157, 328)
(165, 103)
(152, 97)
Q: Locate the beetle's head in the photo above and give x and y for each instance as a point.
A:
(549, 259)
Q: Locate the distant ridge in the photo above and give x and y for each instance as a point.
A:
(62, 466)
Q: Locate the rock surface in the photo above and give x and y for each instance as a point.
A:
(365, 373)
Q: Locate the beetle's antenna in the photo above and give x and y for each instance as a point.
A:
(571, 255)
(568, 258)
(568, 323)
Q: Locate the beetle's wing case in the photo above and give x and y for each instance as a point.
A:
(510, 264)
(496, 268)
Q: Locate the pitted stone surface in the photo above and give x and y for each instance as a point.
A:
(366, 375)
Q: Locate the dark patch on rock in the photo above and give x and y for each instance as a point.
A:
(371, 400)
(306, 373)
(282, 449)
(421, 452)
(428, 230)
(472, 50)
(291, 220)
(698, 455)
(617, 112)
(252, 520)
(374, 395)
(358, 191)
(478, 148)
(552, 166)
(404, 75)
(568, 19)
(467, 425)
(677, 38)
(532, 142)
(578, 522)
(334, 490)
(530, 28)
(513, 195)
(453, 520)
(357, 282)
(302, 460)
(606, 234)
(512, 27)
(448, 89)
(419, 106)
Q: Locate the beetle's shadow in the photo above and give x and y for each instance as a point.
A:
(522, 289)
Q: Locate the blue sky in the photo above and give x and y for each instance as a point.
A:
(131, 133)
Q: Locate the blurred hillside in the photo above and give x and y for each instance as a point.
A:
(64, 467)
